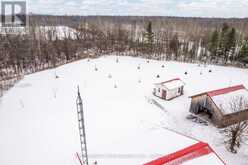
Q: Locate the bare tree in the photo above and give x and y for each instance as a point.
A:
(237, 133)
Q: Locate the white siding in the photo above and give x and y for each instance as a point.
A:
(170, 93)
(158, 91)
(173, 93)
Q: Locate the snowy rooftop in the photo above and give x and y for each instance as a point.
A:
(172, 84)
(225, 102)
(207, 159)
(146, 146)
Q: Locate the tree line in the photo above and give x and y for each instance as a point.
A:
(181, 39)
(224, 44)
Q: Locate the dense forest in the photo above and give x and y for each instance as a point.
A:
(204, 40)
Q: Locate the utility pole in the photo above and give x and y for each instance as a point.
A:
(81, 126)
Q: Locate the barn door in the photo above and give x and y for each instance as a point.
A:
(164, 94)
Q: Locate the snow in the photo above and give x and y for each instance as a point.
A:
(225, 101)
(173, 84)
(38, 119)
(205, 160)
(142, 149)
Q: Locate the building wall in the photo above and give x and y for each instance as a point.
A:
(234, 118)
(218, 118)
(206, 102)
(157, 92)
(170, 94)
(196, 102)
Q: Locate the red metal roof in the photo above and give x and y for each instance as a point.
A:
(221, 91)
(179, 157)
(225, 90)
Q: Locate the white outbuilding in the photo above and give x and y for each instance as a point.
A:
(169, 89)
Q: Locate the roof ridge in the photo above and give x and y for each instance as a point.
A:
(189, 153)
(174, 79)
(220, 91)
(225, 90)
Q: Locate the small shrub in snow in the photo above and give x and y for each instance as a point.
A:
(148, 61)
(21, 103)
(185, 73)
(55, 90)
(162, 66)
(138, 67)
(56, 76)
(237, 134)
(210, 71)
(158, 76)
(96, 69)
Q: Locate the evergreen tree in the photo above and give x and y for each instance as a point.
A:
(227, 43)
(175, 45)
(225, 28)
(231, 44)
(223, 41)
(149, 35)
(243, 54)
(214, 44)
(149, 39)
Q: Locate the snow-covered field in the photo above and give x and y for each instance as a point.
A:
(38, 119)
